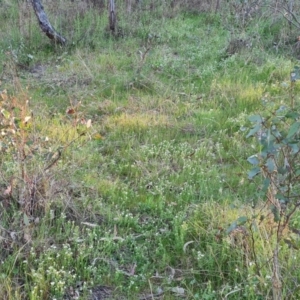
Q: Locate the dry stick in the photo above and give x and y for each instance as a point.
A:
(254, 252)
(276, 279)
(276, 282)
(143, 59)
(58, 153)
(285, 12)
(290, 12)
(45, 24)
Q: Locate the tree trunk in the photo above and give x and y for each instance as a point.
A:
(45, 24)
(128, 5)
(217, 6)
(112, 16)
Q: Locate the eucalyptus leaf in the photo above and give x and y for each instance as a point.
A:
(25, 220)
(294, 148)
(270, 164)
(242, 220)
(253, 172)
(276, 213)
(282, 170)
(276, 133)
(253, 160)
(282, 198)
(292, 115)
(266, 184)
(254, 130)
(255, 118)
(293, 129)
(297, 173)
(231, 227)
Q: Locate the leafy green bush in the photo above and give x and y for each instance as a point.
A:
(277, 131)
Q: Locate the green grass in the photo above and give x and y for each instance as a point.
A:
(141, 200)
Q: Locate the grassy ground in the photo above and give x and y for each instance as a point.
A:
(149, 128)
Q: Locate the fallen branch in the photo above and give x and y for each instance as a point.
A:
(45, 24)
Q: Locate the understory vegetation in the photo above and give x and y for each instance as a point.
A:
(159, 162)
